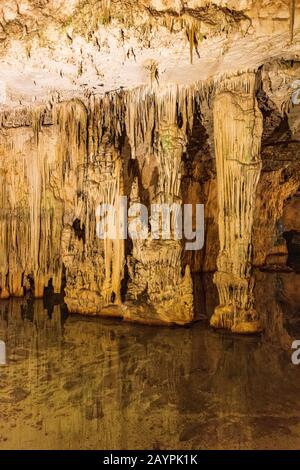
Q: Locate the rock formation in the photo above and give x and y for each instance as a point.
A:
(163, 102)
(237, 134)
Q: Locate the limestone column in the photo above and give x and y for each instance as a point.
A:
(157, 285)
(94, 266)
(237, 137)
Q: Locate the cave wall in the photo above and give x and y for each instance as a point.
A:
(153, 145)
(61, 170)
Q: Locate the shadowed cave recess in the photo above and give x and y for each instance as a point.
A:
(216, 123)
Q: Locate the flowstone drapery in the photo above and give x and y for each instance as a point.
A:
(66, 162)
(158, 288)
(237, 136)
(60, 161)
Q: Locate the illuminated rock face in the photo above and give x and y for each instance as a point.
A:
(61, 172)
(164, 104)
(237, 135)
(158, 289)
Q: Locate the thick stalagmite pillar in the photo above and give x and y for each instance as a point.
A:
(237, 136)
(160, 289)
(94, 265)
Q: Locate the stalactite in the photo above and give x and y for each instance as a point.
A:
(92, 176)
(292, 18)
(73, 166)
(70, 167)
(158, 289)
(30, 230)
(237, 135)
(147, 107)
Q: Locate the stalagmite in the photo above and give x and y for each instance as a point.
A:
(159, 290)
(50, 190)
(61, 161)
(94, 267)
(237, 136)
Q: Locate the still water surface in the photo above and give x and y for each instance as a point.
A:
(72, 382)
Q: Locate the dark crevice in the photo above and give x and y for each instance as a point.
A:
(292, 238)
(79, 230)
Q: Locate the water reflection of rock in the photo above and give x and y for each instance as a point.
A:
(90, 383)
(278, 301)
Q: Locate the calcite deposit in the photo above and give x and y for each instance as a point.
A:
(185, 102)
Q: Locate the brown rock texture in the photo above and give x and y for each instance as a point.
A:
(237, 133)
(164, 102)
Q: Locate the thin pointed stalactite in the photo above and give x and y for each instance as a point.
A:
(292, 18)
